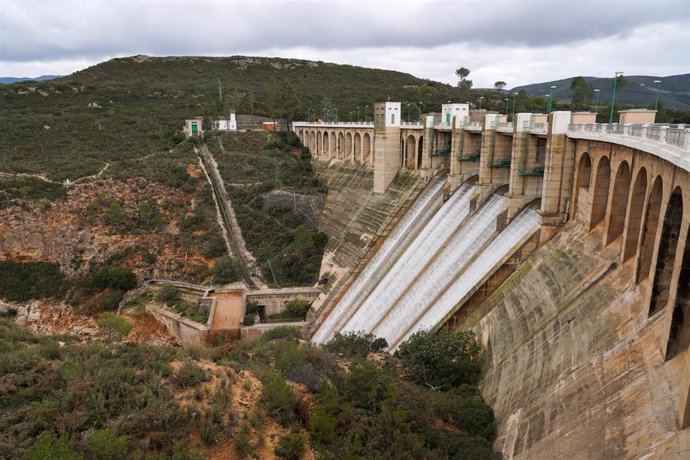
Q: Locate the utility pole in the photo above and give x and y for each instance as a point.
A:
(613, 98)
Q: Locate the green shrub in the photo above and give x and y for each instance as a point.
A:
(189, 374)
(113, 277)
(279, 400)
(114, 325)
(168, 294)
(356, 343)
(215, 248)
(226, 270)
(31, 280)
(281, 332)
(297, 308)
(48, 446)
(441, 360)
(291, 446)
(107, 445)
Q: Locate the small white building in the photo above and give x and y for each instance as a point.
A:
(193, 127)
(448, 111)
(387, 114)
(228, 123)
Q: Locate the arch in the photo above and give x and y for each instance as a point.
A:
(312, 142)
(666, 254)
(420, 151)
(348, 147)
(358, 148)
(326, 144)
(410, 151)
(340, 146)
(366, 148)
(584, 176)
(679, 334)
(619, 202)
(600, 198)
(332, 148)
(636, 205)
(301, 137)
(651, 222)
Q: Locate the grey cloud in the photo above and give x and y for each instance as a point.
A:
(43, 30)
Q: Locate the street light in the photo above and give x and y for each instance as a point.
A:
(357, 114)
(514, 96)
(421, 109)
(548, 110)
(366, 113)
(481, 98)
(548, 98)
(506, 99)
(613, 98)
(596, 104)
(408, 111)
(658, 86)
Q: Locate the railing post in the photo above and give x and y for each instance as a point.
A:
(686, 141)
(662, 134)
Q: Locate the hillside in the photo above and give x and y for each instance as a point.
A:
(9, 80)
(640, 91)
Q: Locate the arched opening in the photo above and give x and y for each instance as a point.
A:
(600, 198)
(420, 151)
(332, 146)
(679, 335)
(340, 148)
(584, 176)
(366, 149)
(312, 142)
(301, 137)
(410, 151)
(619, 202)
(326, 144)
(358, 148)
(651, 222)
(666, 255)
(636, 203)
(348, 147)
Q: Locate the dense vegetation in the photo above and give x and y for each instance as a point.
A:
(288, 251)
(118, 401)
(31, 280)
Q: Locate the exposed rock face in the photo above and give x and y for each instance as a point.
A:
(574, 366)
(75, 236)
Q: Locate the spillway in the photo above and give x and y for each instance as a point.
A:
(411, 262)
(450, 260)
(496, 253)
(398, 240)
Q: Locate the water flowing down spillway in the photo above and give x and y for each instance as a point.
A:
(412, 261)
(398, 240)
(450, 260)
(501, 248)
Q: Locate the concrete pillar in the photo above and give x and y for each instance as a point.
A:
(558, 171)
(428, 146)
(486, 155)
(386, 144)
(456, 146)
(521, 189)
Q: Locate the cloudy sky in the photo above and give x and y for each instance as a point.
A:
(518, 41)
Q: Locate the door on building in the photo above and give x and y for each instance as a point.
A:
(448, 118)
(195, 128)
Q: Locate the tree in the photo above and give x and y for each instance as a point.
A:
(462, 73)
(441, 360)
(499, 85)
(582, 92)
(522, 102)
(105, 444)
(114, 325)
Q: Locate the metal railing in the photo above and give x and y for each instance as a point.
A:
(673, 135)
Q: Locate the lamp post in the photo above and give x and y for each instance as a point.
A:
(408, 111)
(548, 110)
(366, 113)
(548, 98)
(658, 86)
(513, 116)
(613, 98)
(596, 103)
(481, 98)
(421, 109)
(506, 99)
(357, 114)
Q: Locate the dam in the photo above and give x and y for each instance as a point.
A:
(561, 242)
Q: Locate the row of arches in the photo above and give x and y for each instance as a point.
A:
(348, 146)
(646, 216)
